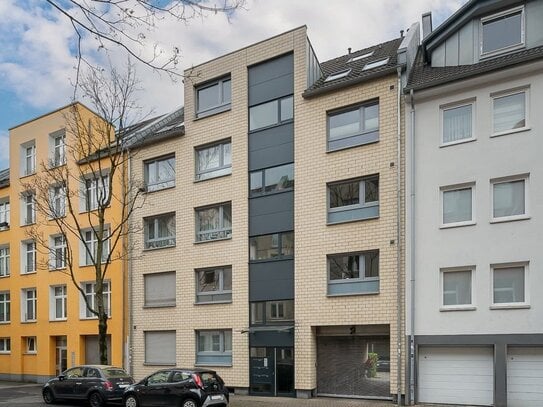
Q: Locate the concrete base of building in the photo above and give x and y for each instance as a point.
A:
(240, 391)
(26, 378)
(305, 394)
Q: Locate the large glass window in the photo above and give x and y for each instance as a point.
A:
(160, 350)
(272, 247)
(29, 257)
(509, 112)
(4, 261)
(509, 284)
(5, 307)
(457, 206)
(213, 97)
(213, 161)
(457, 123)
(28, 208)
(353, 200)
(160, 289)
(271, 113)
(353, 126)
(96, 191)
(270, 180)
(57, 252)
(160, 173)
(90, 295)
(214, 347)
(214, 222)
(29, 302)
(58, 149)
(502, 32)
(58, 305)
(28, 158)
(509, 199)
(159, 231)
(456, 287)
(214, 285)
(57, 197)
(272, 312)
(89, 247)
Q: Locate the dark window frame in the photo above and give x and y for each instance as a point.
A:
(263, 181)
(279, 121)
(360, 107)
(221, 105)
(280, 255)
(159, 185)
(223, 232)
(206, 297)
(202, 175)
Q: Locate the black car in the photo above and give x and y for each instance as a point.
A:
(97, 384)
(178, 387)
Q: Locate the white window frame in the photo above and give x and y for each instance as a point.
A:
(511, 92)
(509, 48)
(5, 346)
(359, 57)
(25, 267)
(84, 313)
(457, 307)
(222, 231)
(526, 214)
(4, 211)
(447, 188)
(4, 261)
(63, 298)
(28, 204)
(31, 345)
(505, 305)
(28, 156)
(25, 300)
(54, 263)
(375, 64)
(58, 150)
(6, 302)
(57, 197)
(94, 188)
(338, 75)
(450, 106)
(84, 259)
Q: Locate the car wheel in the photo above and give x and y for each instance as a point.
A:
(131, 401)
(48, 396)
(96, 400)
(189, 403)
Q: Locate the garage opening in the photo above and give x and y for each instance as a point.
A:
(353, 363)
(92, 349)
(524, 376)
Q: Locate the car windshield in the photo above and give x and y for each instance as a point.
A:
(113, 373)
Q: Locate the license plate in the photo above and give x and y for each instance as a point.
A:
(122, 386)
(219, 397)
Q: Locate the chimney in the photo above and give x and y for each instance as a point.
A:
(426, 24)
(349, 50)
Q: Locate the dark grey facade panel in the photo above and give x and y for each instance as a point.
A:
(271, 214)
(271, 80)
(272, 338)
(271, 147)
(271, 280)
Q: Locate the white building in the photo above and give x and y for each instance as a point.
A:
(475, 136)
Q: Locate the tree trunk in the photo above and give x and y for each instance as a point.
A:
(102, 337)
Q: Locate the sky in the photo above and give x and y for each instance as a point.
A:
(38, 53)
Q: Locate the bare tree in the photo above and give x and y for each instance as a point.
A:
(83, 197)
(126, 24)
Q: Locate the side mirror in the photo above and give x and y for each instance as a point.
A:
(61, 377)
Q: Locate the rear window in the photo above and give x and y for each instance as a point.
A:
(208, 378)
(113, 373)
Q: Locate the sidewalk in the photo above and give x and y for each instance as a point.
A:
(252, 401)
(6, 384)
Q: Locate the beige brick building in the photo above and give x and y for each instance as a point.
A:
(270, 246)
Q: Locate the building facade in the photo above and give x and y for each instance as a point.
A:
(45, 326)
(475, 216)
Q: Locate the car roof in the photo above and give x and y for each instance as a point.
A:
(99, 366)
(194, 370)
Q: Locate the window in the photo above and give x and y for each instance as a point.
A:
(458, 206)
(58, 303)
(89, 247)
(509, 112)
(457, 285)
(272, 312)
(337, 75)
(214, 97)
(276, 246)
(28, 158)
(502, 32)
(214, 347)
(509, 199)
(359, 57)
(353, 200)
(214, 222)
(28, 262)
(96, 191)
(4, 213)
(90, 295)
(160, 173)
(271, 113)
(353, 273)
(160, 289)
(31, 344)
(353, 126)
(159, 231)
(214, 285)
(5, 345)
(4, 261)
(57, 252)
(270, 180)
(28, 305)
(5, 307)
(57, 202)
(375, 64)
(160, 348)
(28, 212)
(57, 142)
(213, 161)
(457, 124)
(509, 284)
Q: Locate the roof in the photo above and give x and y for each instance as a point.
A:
(156, 129)
(4, 178)
(425, 76)
(356, 74)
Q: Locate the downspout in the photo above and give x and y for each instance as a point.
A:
(130, 283)
(398, 238)
(412, 250)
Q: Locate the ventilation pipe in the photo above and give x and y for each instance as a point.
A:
(426, 24)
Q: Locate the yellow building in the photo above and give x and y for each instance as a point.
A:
(45, 326)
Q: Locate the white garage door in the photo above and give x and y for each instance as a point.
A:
(456, 375)
(524, 377)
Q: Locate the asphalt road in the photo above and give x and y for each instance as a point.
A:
(30, 396)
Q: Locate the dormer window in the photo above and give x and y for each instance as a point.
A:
(337, 75)
(502, 32)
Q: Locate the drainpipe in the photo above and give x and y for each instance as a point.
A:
(130, 281)
(398, 237)
(412, 239)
